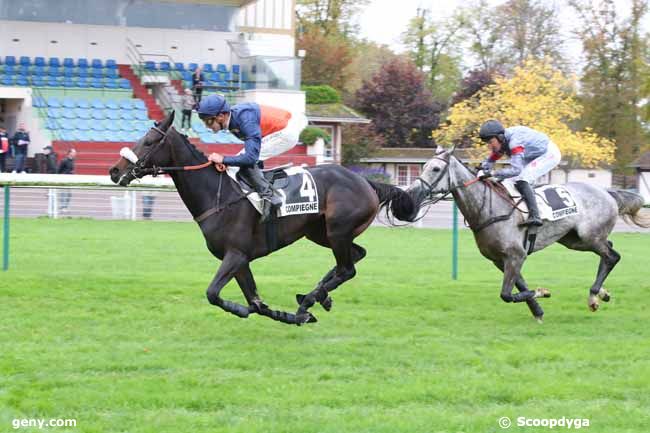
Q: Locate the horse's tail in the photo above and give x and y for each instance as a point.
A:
(630, 207)
(401, 204)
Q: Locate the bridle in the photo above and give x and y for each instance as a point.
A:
(140, 168)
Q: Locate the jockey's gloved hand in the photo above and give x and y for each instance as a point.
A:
(489, 174)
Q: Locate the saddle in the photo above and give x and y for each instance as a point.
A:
(554, 201)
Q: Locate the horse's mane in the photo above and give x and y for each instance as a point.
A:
(195, 150)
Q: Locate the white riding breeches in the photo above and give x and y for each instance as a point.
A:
(541, 165)
(283, 140)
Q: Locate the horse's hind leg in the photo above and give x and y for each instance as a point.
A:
(534, 307)
(345, 252)
(608, 259)
(247, 284)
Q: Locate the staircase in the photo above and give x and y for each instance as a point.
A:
(141, 92)
(178, 85)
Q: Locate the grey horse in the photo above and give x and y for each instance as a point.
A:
(496, 222)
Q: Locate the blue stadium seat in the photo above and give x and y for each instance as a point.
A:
(126, 104)
(68, 103)
(126, 114)
(68, 82)
(38, 81)
(222, 68)
(53, 82)
(82, 124)
(97, 73)
(68, 62)
(140, 115)
(179, 66)
(96, 63)
(98, 104)
(215, 76)
(208, 137)
(207, 67)
(38, 102)
(97, 125)
(111, 104)
(51, 124)
(119, 136)
(55, 113)
(54, 71)
(38, 71)
(139, 104)
(21, 70)
(112, 73)
(67, 124)
(113, 114)
(69, 72)
(82, 82)
(96, 83)
(124, 83)
(112, 126)
(66, 113)
(82, 73)
(83, 103)
(82, 63)
(83, 135)
(149, 65)
(81, 113)
(235, 69)
(54, 61)
(53, 103)
(110, 84)
(39, 61)
(10, 61)
(111, 64)
(66, 135)
(187, 75)
(21, 80)
(98, 114)
(227, 76)
(165, 66)
(192, 67)
(25, 61)
(9, 69)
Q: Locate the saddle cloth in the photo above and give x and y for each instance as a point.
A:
(554, 201)
(294, 186)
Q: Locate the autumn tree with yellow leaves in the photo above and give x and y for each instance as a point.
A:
(537, 96)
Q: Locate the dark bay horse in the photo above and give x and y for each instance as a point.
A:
(499, 235)
(348, 205)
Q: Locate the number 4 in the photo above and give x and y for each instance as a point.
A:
(307, 189)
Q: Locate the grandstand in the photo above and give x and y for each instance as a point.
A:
(92, 80)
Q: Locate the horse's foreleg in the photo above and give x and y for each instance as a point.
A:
(534, 307)
(231, 264)
(255, 304)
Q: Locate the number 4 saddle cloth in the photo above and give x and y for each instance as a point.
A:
(554, 201)
(294, 186)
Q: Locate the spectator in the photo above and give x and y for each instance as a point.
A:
(188, 105)
(21, 143)
(4, 148)
(66, 167)
(197, 84)
(50, 160)
(148, 200)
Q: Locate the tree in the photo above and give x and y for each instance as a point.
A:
(611, 82)
(400, 105)
(359, 141)
(327, 59)
(367, 59)
(430, 45)
(332, 17)
(479, 24)
(475, 80)
(538, 96)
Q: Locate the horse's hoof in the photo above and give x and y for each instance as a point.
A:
(299, 298)
(539, 319)
(593, 303)
(542, 292)
(301, 319)
(604, 294)
(327, 303)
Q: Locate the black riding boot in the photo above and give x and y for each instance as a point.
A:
(255, 178)
(529, 195)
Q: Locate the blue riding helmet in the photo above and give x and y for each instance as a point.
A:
(213, 105)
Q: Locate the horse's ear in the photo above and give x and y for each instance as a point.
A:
(168, 121)
(439, 150)
(451, 150)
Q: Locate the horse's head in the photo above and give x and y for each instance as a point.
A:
(434, 179)
(152, 150)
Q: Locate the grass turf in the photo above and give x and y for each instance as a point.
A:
(107, 323)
